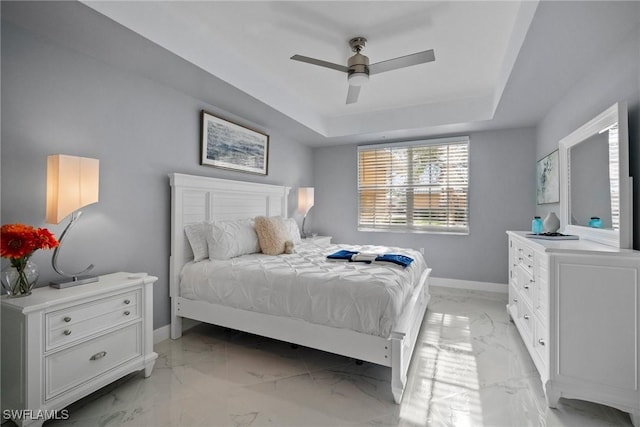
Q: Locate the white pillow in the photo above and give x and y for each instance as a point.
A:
(293, 230)
(197, 236)
(229, 239)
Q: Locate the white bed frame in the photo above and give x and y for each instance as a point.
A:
(196, 199)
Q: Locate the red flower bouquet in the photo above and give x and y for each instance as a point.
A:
(17, 243)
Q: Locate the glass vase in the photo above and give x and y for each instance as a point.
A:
(19, 284)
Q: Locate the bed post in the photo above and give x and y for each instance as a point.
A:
(176, 321)
(398, 368)
(175, 255)
(404, 339)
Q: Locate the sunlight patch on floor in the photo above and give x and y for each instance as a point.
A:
(446, 379)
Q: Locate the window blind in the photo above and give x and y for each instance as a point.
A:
(414, 186)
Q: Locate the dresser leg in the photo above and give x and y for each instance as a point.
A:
(148, 368)
(635, 418)
(552, 396)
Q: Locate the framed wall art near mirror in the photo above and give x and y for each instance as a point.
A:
(548, 183)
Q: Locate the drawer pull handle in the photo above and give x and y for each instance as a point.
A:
(98, 355)
(126, 313)
(526, 286)
(127, 301)
(526, 317)
(529, 265)
(67, 332)
(67, 319)
(541, 341)
(515, 300)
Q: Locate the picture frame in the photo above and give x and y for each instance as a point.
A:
(548, 181)
(228, 145)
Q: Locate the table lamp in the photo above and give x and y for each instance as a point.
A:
(305, 203)
(72, 183)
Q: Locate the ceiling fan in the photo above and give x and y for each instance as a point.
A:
(358, 69)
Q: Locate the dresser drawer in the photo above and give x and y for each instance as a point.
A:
(77, 322)
(525, 319)
(514, 295)
(526, 258)
(540, 341)
(541, 304)
(76, 365)
(526, 284)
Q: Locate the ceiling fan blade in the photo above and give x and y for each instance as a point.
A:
(321, 63)
(403, 61)
(352, 95)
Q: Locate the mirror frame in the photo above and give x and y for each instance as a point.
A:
(621, 238)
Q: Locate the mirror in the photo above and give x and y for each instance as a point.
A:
(595, 188)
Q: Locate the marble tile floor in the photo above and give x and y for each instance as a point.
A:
(470, 368)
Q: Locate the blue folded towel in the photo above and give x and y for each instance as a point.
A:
(342, 254)
(401, 260)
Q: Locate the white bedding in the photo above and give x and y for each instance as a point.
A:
(363, 297)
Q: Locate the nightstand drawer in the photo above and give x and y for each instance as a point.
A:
(71, 324)
(76, 365)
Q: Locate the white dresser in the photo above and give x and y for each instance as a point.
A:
(59, 345)
(576, 305)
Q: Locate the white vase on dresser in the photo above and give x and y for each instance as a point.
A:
(59, 345)
(576, 304)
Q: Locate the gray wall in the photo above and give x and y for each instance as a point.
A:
(58, 100)
(614, 77)
(501, 195)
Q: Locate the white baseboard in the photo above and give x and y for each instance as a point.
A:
(469, 285)
(164, 332)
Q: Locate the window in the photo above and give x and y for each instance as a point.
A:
(414, 186)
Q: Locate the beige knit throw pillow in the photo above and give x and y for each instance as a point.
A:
(272, 234)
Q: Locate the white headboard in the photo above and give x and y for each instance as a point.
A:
(198, 198)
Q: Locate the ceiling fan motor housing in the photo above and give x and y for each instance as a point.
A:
(358, 63)
(358, 73)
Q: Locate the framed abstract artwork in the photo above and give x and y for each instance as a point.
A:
(548, 181)
(228, 145)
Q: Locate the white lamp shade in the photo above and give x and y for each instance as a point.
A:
(72, 183)
(358, 79)
(305, 199)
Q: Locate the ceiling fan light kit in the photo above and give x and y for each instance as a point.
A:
(358, 69)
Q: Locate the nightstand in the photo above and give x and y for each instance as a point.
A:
(318, 240)
(59, 345)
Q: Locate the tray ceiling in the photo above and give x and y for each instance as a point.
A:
(248, 45)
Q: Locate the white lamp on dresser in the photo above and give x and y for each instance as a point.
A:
(576, 303)
(72, 183)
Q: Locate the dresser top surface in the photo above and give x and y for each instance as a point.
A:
(46, 296)
(571, 246)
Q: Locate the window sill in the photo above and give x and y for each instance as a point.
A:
(414, 231)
